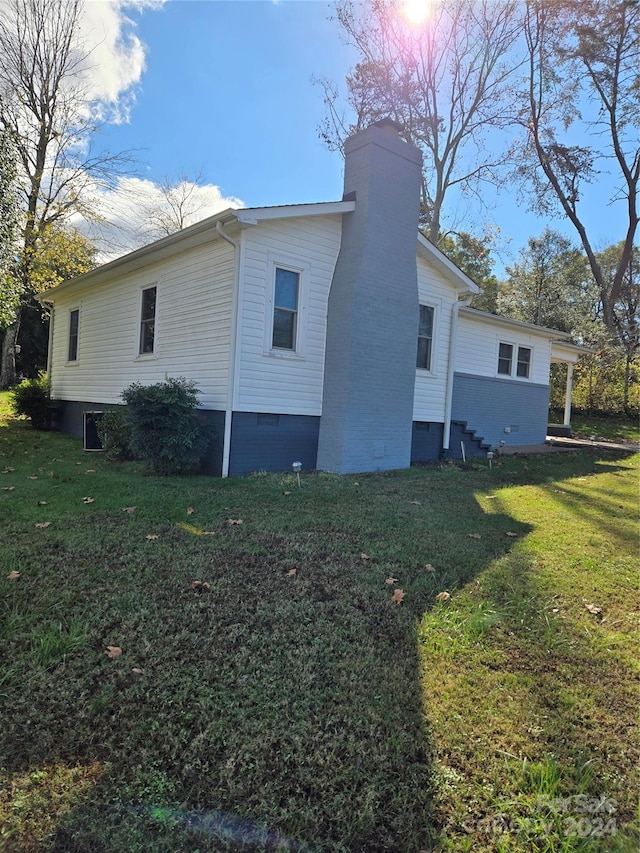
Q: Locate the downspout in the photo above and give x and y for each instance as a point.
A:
(49, 342)
(226, 445)
(453, 342)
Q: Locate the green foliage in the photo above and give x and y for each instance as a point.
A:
(115, 434)
(473, 256)
(32, 399)
(165, 428)
(9, 221)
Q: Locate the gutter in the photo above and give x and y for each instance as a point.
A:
(50, 305)
(453, 342)
(226, 446)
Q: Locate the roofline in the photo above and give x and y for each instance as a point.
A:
(196, 235)
(476, 314)
(575, 349)
(446, 266)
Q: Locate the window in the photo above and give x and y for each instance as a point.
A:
(285, 309)
(148, 320)
(524, 362)
(425, 337)
(74, 322)
(505, 359)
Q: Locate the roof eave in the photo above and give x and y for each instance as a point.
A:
(441, 262)
(475, 314)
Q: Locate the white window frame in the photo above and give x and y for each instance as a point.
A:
(72, 361)
(529, 363)
(431, 370)
(146, 356)
(515, 358)
(300, 338)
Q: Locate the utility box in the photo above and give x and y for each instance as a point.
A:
(90, 430)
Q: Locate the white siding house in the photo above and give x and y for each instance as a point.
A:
(300, 325)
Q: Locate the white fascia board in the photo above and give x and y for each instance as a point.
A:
(443, 264)
(253, 215)
(568, 353)
(507, 322)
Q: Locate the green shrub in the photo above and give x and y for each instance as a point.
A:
(31, 398)
(114, 433)
(165, 428)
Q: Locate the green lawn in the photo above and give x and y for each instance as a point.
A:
(205, 665)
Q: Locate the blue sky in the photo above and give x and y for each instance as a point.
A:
(227, 91)
(223, 89)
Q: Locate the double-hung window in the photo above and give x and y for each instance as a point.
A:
(285, 309)
(148, 320)
(425, 337)
(512, 363)
(74, 326)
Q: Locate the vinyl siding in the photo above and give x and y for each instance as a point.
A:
(287, 383)
(430, 390)
(192, 331)
(477, 350)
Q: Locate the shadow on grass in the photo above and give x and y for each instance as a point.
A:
(264, 704)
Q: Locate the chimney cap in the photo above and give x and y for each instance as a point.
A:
(389, 125)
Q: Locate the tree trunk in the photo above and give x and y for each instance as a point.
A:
(8, 376)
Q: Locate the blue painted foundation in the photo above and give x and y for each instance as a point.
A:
(489, 405)
(272, 442)
(71, 420)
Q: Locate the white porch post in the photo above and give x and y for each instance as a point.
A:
(567, 398)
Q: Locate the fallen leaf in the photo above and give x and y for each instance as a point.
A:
(113, 652)
(443, 596)
(231, 521)
(355, 484)
(430, 568)
(364, 556)
(7, 470)
(137, 671)
(286, 493)
(416, 503)
(13, 576)
(43, 524)
(292, 572)
(390, 581)
(130, 509)
(512, 534)
(42, 503)
(88, 500)
(32, 477)
(491, 497)
(397, 596)
(8, 488)
(474, 535)
(90, 471)
(152, 536)
(190, 510)
(200, 585)
(208, 533)
(594, 609)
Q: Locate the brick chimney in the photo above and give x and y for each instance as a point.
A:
(373, 313)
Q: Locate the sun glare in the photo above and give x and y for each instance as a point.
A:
(417, 10)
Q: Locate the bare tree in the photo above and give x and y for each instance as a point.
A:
(47, 107)
(583, 61)
(180, 205)
(445, 80)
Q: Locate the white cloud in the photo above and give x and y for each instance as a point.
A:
(129, 213)
(116, 55)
